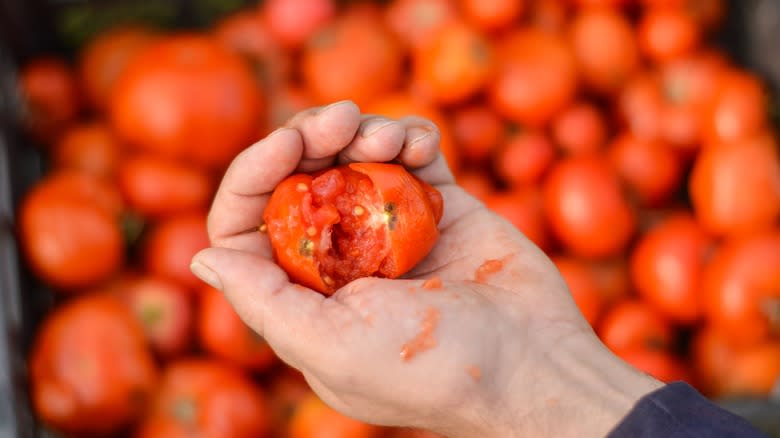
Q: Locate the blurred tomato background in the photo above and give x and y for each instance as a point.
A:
(626, 138)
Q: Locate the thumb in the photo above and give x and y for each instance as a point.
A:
(286, 315)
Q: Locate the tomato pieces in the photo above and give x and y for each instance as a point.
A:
(348, 222)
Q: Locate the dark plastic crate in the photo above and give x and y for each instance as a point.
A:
(30, 27)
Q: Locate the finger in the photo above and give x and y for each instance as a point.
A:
(285, 315)
(437, 172)
(421, 143)
(327, 130)
(240, 200)
(378, 139)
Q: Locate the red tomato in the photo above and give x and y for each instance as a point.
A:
(606, 49)
(523, 208)
(156, 187)
(536, 77)
(631, 323)
(712, 355)
(414, 22)
(284, 102)
(164, 310)
(586, 207)
(314, 419)
(580, 129)
(706, 13)
(549, 15)
(735, 187)
(206, 398)
(752, 372)
(478, 131)
(660, 364)
(741, 288)
(88, 147)
(352, 221)
(583, 287)
(51, 97)
(667, 264)
(613, 278)
(492, 16)
(172, 243)
(640, 105)
(476, 183)
(288, 389)
(524, 158)
(293, 22)
(187, 97)
(90, 369)
(104, 58)
(667, 33)
(738, 110)
(354, 57)
(651, 169)
(457, 63)
(69, 230)
(223, 334)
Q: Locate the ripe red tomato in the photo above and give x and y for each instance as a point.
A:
(288, 389)
(206, 398)
(651, 169)
(69, 230)
(753, 371)
(352, 221)
(632, 323)
(171, 244)
(586, 207)
(164, 310)
(106, 56)
(711, 356)
(738, 109)
(667, 265)
(223, 334)
(667, 33)
(741, 288)
(478, 131)
(315, 419)
(293, 22)
(580, 129)
(549, 15)
(613, 278)
(536, 77)
(707, 14)
(456, 64)
(524, 158)
(735, 187)
(492, 16)
(88, 147)
(51, 97)
(583, 287)
(414, 22)
(90, 369)
(476, 183)
(523, 208)
(354, 57)
(187, 97)
(284, 102)
(660, 364)
(605, 47)
(156, 187)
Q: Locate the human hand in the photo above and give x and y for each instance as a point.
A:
(499, 349)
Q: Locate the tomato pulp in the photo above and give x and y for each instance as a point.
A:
(353, 221)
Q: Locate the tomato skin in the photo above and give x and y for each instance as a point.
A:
(524, 158)
(187, 97)
(51, 97)
(523, 208)
(292, 22)
(738, 109)
(158, 187)
(206, 398)
(741, 288)
(106, 56)
(667, 33)
(653, 170)
(711, 356)
(414, 22)
(223, 334)
(753, 371)
(88, 147)
(631, 323)
(400, 211)
(455, 65)
(492, 16)
(580, 129)
(170, 245)
(735, 187)
(667, 264)
(583, 287)
(314, 419)
(478, 131)
(586, 208)
(288, 389)
(90, 369)
(69, 230)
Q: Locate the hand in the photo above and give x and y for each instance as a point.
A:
(504, 350)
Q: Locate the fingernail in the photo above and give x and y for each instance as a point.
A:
(417, 133)
(332, 105)
(373, 126)
(206, 274)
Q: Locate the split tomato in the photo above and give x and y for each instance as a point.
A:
(352, 221)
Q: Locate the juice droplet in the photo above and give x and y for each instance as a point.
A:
(424, 340)
(433, 283)
(474, 372)
(486, 269)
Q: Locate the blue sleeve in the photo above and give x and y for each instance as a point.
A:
(677, 411)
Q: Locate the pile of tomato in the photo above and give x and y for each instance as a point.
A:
(610, 132)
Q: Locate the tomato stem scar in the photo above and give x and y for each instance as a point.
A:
(305, 247)
(390, 216)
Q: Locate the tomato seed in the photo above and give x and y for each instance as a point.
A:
(301, 187)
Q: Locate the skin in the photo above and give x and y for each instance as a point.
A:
(539, 360)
